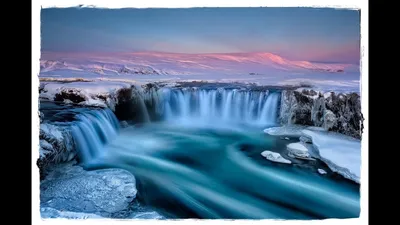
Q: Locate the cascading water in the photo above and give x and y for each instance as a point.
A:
(92, 130)
(206, 172)
(219, 105)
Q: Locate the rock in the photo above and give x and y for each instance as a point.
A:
(74, 95)
(123, 124)
(317, 111)
(321, 171)
(56, 145)
(105, 192)
(275, 157)
(329, 119)
(334, 112)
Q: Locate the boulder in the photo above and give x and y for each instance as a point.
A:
(105, 192)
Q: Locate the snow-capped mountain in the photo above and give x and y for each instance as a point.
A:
(157, 63)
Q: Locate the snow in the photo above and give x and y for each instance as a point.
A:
(93, 88)
(298, 150)
(46, 145)
(267, 69)
(297, 147)
(51, 130)
(327, 94)
(93, 102)
(341, 153)
(90, 91)
(275, 157)
(67, 101)
(149, 63)
(321, 171)
(316, 128)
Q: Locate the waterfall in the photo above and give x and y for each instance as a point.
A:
(219, 105)
(92, 130)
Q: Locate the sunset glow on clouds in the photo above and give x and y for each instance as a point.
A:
(297, 34)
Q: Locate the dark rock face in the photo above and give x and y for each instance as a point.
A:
(334, 112)
(73, 95)
(347, 109)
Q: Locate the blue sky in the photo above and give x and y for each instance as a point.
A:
(320, 35)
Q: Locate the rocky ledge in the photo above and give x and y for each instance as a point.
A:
(69, 191)
(332, 111)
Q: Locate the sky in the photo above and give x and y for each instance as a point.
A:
(316, 35)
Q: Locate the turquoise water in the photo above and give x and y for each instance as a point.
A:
(204, 160)
(218, 172)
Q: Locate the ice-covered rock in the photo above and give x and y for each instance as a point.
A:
(90, 93)
(50, 213)
(56, 145)
(105, 192)
(330, 119)
(275, 157)
(321, 171)
(334, 112)
(341, 153)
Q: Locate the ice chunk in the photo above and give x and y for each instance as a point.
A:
(341, 153)
(275, 157)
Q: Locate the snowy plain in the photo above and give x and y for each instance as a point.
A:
(258, 68)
